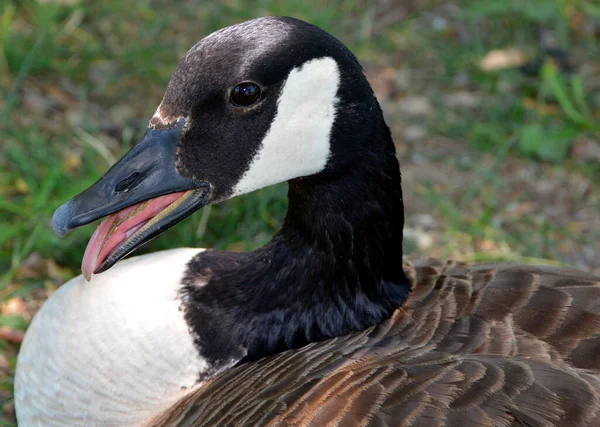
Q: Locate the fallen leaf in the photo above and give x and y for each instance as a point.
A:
(502, 59)
(15, 307)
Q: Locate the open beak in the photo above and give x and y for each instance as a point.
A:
(142, 195)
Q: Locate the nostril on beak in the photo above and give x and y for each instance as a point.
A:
(127, 182)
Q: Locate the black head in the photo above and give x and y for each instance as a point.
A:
(262, 102)
(302, 76)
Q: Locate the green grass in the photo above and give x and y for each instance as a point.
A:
(79, 80)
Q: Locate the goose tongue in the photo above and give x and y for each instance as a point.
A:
(120, 226)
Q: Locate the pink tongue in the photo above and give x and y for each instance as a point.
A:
(117, 227)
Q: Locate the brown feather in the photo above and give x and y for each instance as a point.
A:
(481, 346)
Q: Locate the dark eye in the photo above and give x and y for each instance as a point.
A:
(245, 94)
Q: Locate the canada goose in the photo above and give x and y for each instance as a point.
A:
(323, 325)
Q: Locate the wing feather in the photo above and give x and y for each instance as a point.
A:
(489, 345)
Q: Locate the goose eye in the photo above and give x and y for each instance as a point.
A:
(245, 94)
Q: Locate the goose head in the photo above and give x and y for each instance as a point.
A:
(255, 104)
(262, 102)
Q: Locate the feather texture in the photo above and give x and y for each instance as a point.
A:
(473, 346)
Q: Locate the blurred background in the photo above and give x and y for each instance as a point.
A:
(494, 106)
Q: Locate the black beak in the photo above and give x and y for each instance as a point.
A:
(147, 171)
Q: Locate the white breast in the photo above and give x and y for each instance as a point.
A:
(114, 351)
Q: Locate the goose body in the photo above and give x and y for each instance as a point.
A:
(472, 346)
(324, 325)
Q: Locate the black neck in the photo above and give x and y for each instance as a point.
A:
(335, 267)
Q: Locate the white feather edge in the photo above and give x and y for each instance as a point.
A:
(114, 351)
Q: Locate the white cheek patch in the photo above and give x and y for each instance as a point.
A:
(298, 142)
